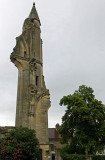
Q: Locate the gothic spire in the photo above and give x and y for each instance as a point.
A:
(33, 13)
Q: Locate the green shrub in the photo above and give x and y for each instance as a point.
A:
(20, 144)
(66, 156)
(73, 157)
(10, 149)
(98, 157)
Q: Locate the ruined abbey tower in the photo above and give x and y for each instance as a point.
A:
(33, 99)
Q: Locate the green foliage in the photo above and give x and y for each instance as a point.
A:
(83, 124)
(66, 156)
(10, 149)
(98, 157)
(22, 140)
(73, 157)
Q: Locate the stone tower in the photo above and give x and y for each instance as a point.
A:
(33, 99)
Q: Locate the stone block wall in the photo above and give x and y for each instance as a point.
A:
(5, 130)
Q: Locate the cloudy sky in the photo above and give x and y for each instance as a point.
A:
(73, 33)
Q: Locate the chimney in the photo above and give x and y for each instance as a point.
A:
(57, 126)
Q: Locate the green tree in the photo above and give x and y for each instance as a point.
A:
(21, 144)
(83, 124)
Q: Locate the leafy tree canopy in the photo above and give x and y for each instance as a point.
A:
(83, 124)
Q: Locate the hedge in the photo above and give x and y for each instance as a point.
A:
(98, 157)
(73, 157)
(81, 157)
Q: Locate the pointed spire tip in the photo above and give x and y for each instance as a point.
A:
(33, 13)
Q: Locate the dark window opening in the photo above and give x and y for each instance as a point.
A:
(36, 80)
(34, 54)
(53, 156)
(25, 53)
(32, 20)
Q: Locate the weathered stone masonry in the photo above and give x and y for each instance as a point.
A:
(33, 99)
(32, 96)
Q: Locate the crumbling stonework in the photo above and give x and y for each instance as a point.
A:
(32, 97)
(4, 131)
